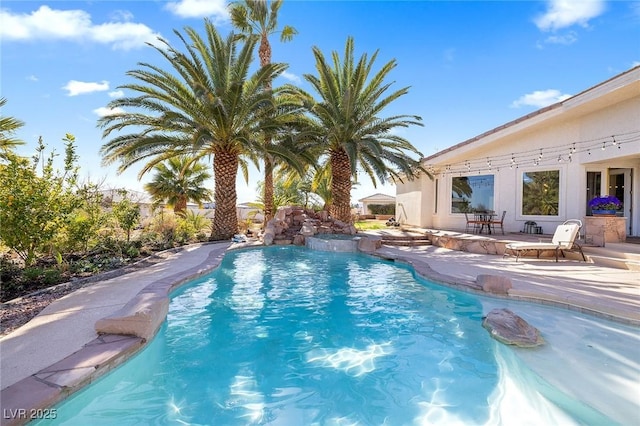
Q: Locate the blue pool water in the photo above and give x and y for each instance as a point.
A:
(289, 336)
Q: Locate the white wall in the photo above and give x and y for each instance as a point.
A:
(553, 131)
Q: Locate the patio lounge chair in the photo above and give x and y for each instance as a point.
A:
(563, 240)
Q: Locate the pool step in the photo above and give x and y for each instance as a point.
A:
(406, 240)
(619, 256)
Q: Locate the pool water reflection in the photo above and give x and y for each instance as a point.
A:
(290, 336)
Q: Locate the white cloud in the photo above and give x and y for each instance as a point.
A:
(81, 87)
(116, 94)
(74, 25)
(123, 35)
(565, 13)
(291, 77)
(566, 39)
(32, 78)
(216, 9)
(104, 111)
(540, 98)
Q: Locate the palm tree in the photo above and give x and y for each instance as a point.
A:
(261, 17)
(8, 126)
(178, 180)
(347, 132)
(208, 105)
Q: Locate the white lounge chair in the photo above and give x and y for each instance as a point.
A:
(563, 239)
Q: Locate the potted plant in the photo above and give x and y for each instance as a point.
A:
(605, 206)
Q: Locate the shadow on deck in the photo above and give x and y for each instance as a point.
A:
(614, 255)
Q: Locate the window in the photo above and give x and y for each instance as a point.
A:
(541, 193)
(435, 201)
(594, 180)
(470, 193)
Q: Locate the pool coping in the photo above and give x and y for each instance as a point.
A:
(423, 269)
(32, 397)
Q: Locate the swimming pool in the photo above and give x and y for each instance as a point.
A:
(285, 335)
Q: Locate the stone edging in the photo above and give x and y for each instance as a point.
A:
(423, 269)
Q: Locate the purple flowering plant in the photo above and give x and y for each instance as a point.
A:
(605, 203)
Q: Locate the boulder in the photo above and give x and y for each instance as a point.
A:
(496, 284)
(369, 245)
(281, 213)
(510, 329)
(308, 229)
(268, 236)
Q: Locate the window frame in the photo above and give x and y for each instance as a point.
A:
(561, 193)
(494, 195)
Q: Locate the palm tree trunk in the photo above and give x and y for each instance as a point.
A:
(225, 219)
(268, 188)
(340, 186)
(180, 207)
(264, 52)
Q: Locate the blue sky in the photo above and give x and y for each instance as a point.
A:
(471, 65)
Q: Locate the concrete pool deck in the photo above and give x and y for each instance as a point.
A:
(59, 351)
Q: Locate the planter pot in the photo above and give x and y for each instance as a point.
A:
(603, 212)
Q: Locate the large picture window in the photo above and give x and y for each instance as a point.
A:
(541, 193)
(472, 193)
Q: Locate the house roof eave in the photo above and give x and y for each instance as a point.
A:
(627, 78)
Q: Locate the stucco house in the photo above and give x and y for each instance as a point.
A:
(543, 167)
(381, 199)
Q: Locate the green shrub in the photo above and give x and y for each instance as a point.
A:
(32, 273)
(51, 277)
(382, 209)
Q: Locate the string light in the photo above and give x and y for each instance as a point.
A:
(541, 156)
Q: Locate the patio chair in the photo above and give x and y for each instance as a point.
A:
(472, 222)
(564, 239)
(500, 222)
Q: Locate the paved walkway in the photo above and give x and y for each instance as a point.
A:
(67, 324)
(609, 292)
(66, 327)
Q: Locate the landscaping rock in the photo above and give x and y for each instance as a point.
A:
(290, 223)
(369, 245)
(510, 329)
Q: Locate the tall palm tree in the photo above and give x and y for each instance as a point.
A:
(207, 105)
(8, 126)
(179, 180)
(261, 17)
(348, 132)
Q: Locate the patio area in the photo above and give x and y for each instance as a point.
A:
(614, 255)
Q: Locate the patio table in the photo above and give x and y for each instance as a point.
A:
(485, 219)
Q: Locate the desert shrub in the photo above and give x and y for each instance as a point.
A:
(382, 209)
(159, 232)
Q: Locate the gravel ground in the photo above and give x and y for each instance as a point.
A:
(18, 312)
